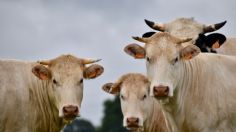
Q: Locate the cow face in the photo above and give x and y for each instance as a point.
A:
(66, 74)
(164, 55)
(135, 100)
(185, 27)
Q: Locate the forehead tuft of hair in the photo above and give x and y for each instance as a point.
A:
(131, 78)
(65, 59)
(165, 35)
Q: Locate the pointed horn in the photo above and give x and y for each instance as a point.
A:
(184, 40)
(155, 26)
(143, 40)
(89, 61)
(44, 62)
(213, 27)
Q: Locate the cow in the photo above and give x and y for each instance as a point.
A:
(43, 96)
(197, 89)
(142, 113)
(189, 28)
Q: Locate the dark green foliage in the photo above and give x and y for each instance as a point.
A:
(113, 118)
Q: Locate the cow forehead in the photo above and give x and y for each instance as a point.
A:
(162, 43)
(182, 22)
(66, 65)
(134, 84)
(184, 27)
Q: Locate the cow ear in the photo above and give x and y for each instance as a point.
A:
(42, 72)
(189, 52)
(111, 88)
(215, 40)
(93, 71)
(135, 50)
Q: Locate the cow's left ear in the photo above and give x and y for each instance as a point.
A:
(93, 71)
(215, 40)
(189, 52)
(42, 72)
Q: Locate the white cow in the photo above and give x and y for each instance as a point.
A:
(43, 96)
(198, 90)
(189, 28)
(142, 113)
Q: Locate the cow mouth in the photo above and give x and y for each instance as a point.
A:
(161, 97)
(70, 117)
(133, 127)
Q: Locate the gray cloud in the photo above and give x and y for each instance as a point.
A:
(44, 29)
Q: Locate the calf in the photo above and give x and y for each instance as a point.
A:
(142, 113)
(42, 96)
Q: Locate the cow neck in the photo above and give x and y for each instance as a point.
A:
(155, 121)
(188, 84)
(45, 114)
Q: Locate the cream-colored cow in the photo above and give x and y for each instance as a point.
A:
(198, 90)
(48, 98)
(142, 113)
(189, 28)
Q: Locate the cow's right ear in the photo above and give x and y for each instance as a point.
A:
(111, 88)
(135, 50)
(42, 72)
(189, 52)
(215, 40)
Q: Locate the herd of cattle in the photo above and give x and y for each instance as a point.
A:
(184, 90)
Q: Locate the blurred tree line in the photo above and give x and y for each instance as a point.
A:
(111, 122)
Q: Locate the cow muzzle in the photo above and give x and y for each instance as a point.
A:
(160, 91)
(70, 112)
(132, 123)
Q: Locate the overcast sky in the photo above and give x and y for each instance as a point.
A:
(44, 29)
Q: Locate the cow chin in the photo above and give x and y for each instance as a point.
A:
(70, 117)
(134, 128)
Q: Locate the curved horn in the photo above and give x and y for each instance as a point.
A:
(44, 62)
(89, 61)
(184, 40)
(213, 27)
(143, 40)
(155, 26)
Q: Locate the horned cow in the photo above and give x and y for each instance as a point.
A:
(189, 28)
(42, 96)
(198, 90)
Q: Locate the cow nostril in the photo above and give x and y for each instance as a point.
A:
(166, 90)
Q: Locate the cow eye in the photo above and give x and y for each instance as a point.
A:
(122, 97)
(144, 97)
(81, 81)
(54, 81)
(175, 60)
(148, 59)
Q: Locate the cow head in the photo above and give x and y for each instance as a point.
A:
(185, 27)
(66, 74)
(164, 55)
(135, 100)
